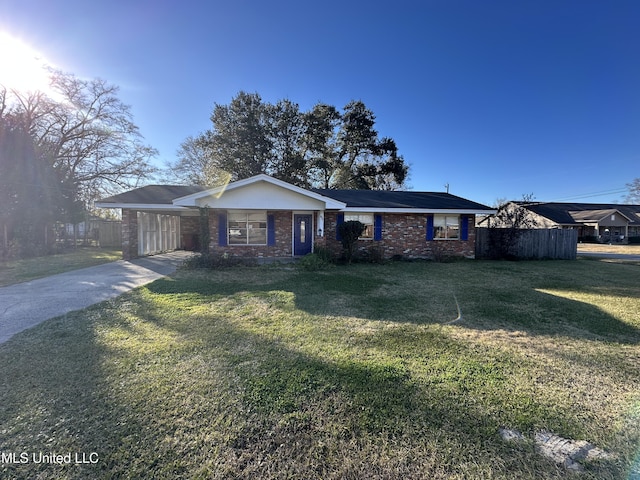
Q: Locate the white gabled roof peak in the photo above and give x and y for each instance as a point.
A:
(191, 200)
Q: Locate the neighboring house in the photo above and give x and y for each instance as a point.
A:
(265, 217)
(594, 221)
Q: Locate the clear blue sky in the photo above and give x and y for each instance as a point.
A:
(496, 98)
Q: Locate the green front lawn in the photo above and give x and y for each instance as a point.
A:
(351, 372)
(16, 271)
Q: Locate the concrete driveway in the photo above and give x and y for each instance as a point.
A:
(27, 304)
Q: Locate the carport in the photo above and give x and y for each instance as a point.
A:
(157, 232)
(151, 224)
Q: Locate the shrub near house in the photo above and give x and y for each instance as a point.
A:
(349, 233)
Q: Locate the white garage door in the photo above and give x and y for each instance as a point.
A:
(157, 233)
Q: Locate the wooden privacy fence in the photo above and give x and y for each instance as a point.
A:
(550, 243)
(109, 233)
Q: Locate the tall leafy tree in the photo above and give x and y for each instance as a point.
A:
(321, 126)
(365, 161)
(30, 194)
(66, 146)
(319, 148)
(239, 141)
(288, 159)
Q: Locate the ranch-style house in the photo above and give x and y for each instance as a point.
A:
(265, 217)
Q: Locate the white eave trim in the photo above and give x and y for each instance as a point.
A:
(141, 206)
(456, 211)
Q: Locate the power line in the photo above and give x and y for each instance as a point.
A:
(594, 194)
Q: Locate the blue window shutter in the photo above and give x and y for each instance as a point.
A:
(271, 230)
(377, 227)
(464, 227)
(339, 221)
(222, 229)
(430, 227)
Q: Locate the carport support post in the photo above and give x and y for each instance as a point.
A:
(129, 234)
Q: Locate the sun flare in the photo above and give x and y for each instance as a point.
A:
(21, 67)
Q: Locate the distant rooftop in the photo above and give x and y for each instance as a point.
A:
(578, 213)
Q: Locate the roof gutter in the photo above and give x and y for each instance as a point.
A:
(141, 206)
(458, 211)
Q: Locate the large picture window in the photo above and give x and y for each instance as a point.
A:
(366, 219)
(446, 227)
(247, 228)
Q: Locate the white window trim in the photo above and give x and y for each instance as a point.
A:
(446, 239)
(373, 223)
(247, 212)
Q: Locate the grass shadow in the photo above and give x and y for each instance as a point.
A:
(250, 374)
(491, 295)
(313, 414)
(56, 399)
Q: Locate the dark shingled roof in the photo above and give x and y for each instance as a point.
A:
(154, 194)
(401, 200)
(165, 194)
(571, 213)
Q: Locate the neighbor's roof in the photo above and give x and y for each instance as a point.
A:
(579, 213)
(153, 195)
(590, 216)
(403, 200)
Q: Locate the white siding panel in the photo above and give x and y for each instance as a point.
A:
(262, 196)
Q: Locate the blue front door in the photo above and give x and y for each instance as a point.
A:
(302, 230)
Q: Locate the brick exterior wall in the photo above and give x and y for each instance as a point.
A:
(283, 247)
(404, 235)
(129, 234)
(190, 225)
(190, 233)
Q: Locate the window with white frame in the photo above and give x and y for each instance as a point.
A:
(247, 228)
(366, 219)
(446, 227)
